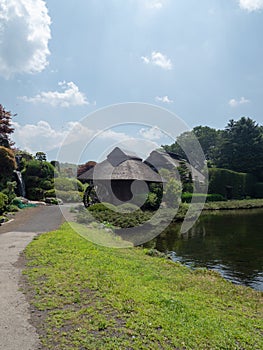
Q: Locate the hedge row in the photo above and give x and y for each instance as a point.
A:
(187, 197)
(258, 190)
(230, 184)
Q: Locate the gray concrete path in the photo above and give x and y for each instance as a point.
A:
(16, 332)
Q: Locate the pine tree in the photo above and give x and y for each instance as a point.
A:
(6, 128)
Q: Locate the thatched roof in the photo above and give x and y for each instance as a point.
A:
(161, 159)
(121, 165)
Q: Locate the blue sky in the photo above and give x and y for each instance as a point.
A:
(62, 60)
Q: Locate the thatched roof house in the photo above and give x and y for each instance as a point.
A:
(121, 165)
(117, 173)
(167, 160)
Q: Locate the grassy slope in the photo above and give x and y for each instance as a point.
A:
(93, 297)
(235, 204)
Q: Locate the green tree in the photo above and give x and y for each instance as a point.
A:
(39, 177)
(241, 147)
(187, 147)
(208, 139)
(7, 165)
(41, 156)
(6, 128)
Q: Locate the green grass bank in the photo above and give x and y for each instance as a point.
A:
(235, 204)
(87, 296)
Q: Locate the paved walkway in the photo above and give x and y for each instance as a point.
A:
(16, 332)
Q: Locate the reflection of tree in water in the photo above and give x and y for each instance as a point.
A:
(230, 241)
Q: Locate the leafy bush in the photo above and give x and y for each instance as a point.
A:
(3, 202)
(7, 165)
(50, 193)
(35, 193)
(173, 193)
(69, 196)
(52, 200)
(38, 176)
(68, 184)
(46, 184)
(118, 217)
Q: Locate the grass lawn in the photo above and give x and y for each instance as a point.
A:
(92, 297)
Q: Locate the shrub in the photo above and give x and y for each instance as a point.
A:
(118, 217)
(35, 193)
(38, 177)
(173, 193)
(50, 193)
(68, 184)
(46, 184)
(69, 196)
(3, 202)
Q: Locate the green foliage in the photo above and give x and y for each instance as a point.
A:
(187, 197)
(10, 190)
(230, 184)
(35, 193)
(68, 184)
(6, 128)
(50, 193)
(38, 168)
(68, 196)
(235, 204)
(173, 193)
(123, 216)
(7, 165)
(154, 197)
(39, 177)
(3, 202)
(241, 147)
(41, 156)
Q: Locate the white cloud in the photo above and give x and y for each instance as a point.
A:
(251, 5)
(75, 137)
(37, 137)
(24, 36)
(154, 4)
(158, 59)
(153, 133)
(42, 137)
(163, 99)
(234, 103)
(71, 96)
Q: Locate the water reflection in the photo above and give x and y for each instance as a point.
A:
(230, 242)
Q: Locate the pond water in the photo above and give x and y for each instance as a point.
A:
(230, 242)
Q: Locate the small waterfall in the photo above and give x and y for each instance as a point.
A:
(20, 183)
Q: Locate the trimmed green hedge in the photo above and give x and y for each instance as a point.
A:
(214, 197)
(230, 184)
(258, 190)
